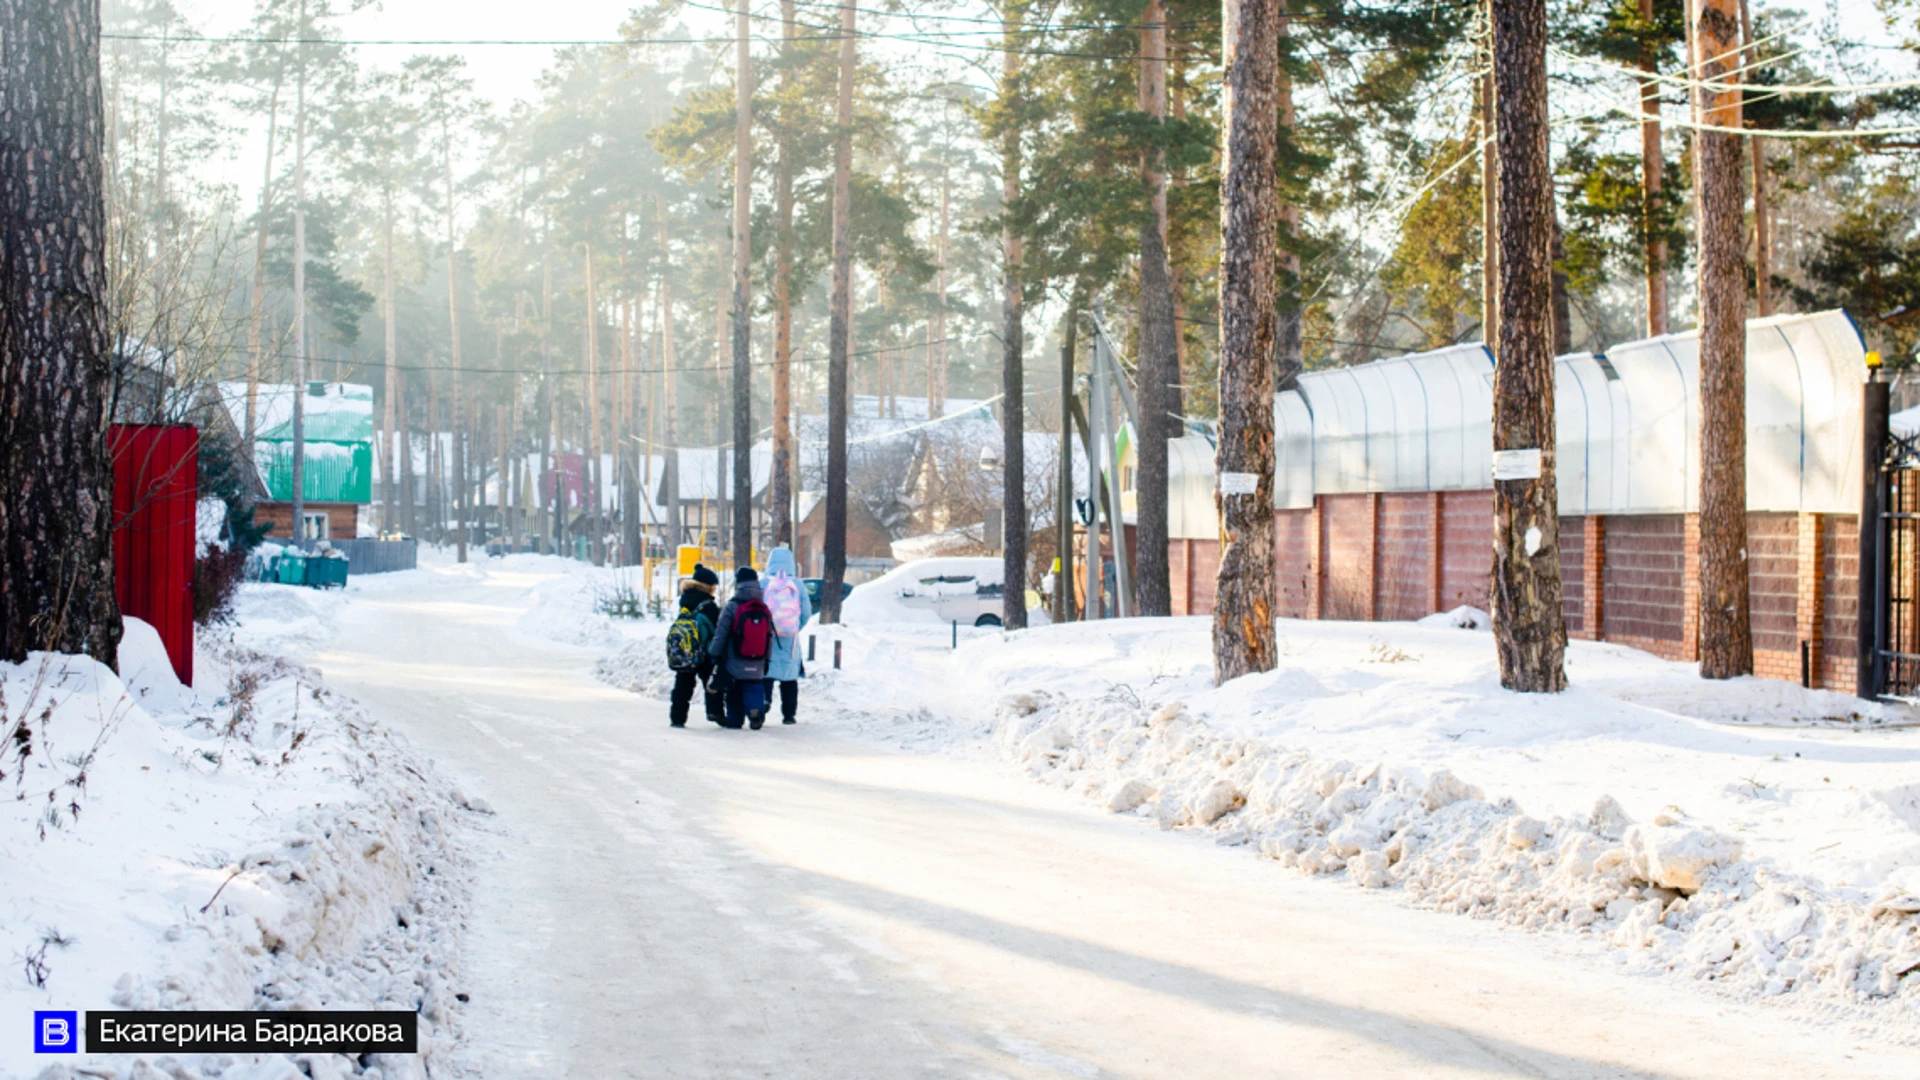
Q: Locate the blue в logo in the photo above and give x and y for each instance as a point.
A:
(56, 1032)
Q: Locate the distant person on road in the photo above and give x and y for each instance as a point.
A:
(787, 599)
(688, 643)
(742, 644)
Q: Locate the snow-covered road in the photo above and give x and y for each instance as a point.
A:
(786, 903)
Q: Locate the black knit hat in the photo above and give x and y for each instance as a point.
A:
(704, 576)
(744, 575)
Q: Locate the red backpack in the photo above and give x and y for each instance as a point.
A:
(753, 629)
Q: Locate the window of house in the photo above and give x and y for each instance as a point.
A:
(315, 525)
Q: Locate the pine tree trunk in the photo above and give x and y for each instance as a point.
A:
(1529, 628)
(1652, 166)
(1489, 213)
(1159, 352)
(1726, 633)
(839, 328)
(387, 452)
(1243, 631)
(298, 479)
(56, 520)
(257, 302)
(1762, 230)
(779, 484)
(408, 521)
(453, 330)
(937, 348)
(1289, 353)
(742, 253)
(590, 465)
(1562, 306)
(549, 476)
(1013, 452)
(633, 525)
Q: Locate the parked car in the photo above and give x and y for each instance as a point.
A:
(814, 585)
(951, 589)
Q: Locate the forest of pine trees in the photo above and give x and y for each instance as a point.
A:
(720, 219)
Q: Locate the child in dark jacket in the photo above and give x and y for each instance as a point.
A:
(697, 596)
(744, 678)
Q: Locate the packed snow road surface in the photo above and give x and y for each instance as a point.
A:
(786, 903)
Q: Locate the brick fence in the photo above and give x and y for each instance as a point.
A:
(1633, 580)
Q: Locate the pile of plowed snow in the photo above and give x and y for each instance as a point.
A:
(1677, 892)
(255, 843)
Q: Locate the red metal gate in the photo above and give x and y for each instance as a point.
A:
(156, 496)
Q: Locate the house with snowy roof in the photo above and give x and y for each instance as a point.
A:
(336, 454)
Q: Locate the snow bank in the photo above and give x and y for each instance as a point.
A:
(259, 844)
(1382, 753)
(640, 666)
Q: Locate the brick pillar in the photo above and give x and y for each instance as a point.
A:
(1314, 543)
(1809, 614)
(1690, 592)
(1373, 557)
(1593, 577)
(1186, 574)
(1436, 558)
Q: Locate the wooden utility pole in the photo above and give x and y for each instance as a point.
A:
(1159, 367)
(742, 497)
(839, 327)
(1243, 632)
(1529, 628)
(1726, 633)
(1652, 168)
(56, 520)
(1013, 452)
(780, 479)
(1063, 469)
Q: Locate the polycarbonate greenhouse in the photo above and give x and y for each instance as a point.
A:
(1628, 423)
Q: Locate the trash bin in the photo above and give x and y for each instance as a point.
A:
(290, 569)
(326, 571)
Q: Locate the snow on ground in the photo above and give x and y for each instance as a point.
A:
(254, 841)
(1751, 833)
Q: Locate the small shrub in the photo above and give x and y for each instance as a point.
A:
(216, 575)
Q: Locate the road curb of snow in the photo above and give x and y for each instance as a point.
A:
(1673, 896)
(347, 888)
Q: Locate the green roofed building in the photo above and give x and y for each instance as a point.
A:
(337, 471)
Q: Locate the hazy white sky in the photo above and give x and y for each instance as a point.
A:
(502, 73)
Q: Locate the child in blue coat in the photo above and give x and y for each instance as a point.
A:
(784, 666)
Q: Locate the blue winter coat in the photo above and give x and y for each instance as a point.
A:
(784, 662)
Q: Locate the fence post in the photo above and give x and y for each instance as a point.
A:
(1870, 619)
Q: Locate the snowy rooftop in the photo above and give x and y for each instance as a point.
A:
(338, 412)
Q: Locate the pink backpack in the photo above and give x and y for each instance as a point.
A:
(783, 600)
